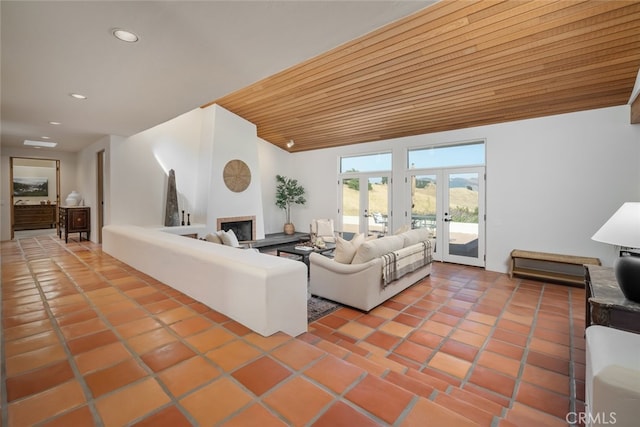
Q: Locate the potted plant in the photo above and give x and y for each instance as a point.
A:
(288, 192)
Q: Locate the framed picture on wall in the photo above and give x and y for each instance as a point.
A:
(36, 187)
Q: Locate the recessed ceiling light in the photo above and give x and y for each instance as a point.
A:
(124, 35)
(77, 96)
(45, 137)
(55, 123)
(40, 144)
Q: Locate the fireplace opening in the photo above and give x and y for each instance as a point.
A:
(244, 227)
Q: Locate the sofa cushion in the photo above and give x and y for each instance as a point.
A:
(229, 238)
(213, 238)
(346, 249)
(376, 248)
(402, 229)
(414, 236)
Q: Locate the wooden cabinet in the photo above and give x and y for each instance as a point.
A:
(74, 219)
(32, 217)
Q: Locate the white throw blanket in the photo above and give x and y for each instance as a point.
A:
(398, 263)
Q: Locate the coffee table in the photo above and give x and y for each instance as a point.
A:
(304, 254)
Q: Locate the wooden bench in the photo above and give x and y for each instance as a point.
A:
(568, 269)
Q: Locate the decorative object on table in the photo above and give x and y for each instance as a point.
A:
(623, 230)
(236, 175)
(73, 199)
(320, 243)
(182, 222)
(288, 192)
(171, 215)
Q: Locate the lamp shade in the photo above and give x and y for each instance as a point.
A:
(623, 228)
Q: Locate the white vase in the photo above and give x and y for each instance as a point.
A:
(73, 199)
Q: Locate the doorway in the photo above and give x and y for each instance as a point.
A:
(100, 193)
(35, 195)
(365, 203)
(450, 203)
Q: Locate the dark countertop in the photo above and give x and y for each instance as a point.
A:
(606, 291)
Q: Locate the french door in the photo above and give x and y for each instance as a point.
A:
(450, 203)
(365, 203)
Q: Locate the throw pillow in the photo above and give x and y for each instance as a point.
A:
(414, 236)
(346, 249)
(213, 238)
(376, 248)
(402, 229)
(229, 238)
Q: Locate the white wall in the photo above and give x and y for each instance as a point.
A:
(273, 161)
(230, 138)
(197, 145)
(88, 179)
(140, 168)
(68, 179)
(551, 182)
(571, 173)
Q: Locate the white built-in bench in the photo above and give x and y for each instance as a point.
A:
(264, 293)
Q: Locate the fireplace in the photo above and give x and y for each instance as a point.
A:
(244, 227)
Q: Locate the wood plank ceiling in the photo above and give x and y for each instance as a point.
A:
(452, 65)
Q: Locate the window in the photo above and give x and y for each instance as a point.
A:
(366, 163)
(447, 156)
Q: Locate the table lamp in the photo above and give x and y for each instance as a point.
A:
(623, 229)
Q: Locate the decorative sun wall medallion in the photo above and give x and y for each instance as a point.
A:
(236, 175)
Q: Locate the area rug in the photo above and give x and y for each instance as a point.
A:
(319, 307)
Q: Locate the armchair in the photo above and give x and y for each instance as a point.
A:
(323, 228)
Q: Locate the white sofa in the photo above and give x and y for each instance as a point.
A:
(360, 284)
(264, 293)
(612, 387)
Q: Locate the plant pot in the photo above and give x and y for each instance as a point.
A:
(289, 228)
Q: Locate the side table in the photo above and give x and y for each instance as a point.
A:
(605, 304)
(74, 219)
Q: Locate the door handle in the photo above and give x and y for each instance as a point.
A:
(447, 220)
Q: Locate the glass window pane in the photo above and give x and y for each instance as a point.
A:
(423, 202)
(447, 156)
(378, 194)
(463, 214)
(351, 205)
(366, 163)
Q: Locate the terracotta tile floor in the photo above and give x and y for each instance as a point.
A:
(87, 340)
